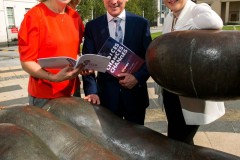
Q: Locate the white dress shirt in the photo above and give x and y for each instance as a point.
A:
(112, 25)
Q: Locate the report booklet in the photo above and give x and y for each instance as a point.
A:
(91, 62)
(122, 58)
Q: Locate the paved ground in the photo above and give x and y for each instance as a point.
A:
(223, 134)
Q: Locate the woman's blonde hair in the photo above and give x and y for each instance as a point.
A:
(72, 3)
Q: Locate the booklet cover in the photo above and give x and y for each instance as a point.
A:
(122, 58)
(91, 62)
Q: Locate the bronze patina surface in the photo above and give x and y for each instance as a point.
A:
(128, 140)
(197, 63)
(62, 139)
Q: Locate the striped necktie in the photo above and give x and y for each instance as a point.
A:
(118, 31)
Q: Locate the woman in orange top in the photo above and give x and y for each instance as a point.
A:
(50, 29)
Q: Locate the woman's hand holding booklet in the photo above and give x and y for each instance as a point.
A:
(89, 62)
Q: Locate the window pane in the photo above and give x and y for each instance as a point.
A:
(10, 15)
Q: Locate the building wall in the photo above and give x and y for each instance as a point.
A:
(234, 13)
(216, 5)
(229, 10)
(19, 7)
(163, 11)
(3, 33)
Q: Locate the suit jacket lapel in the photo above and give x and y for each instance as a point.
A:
(129, 25)
(104, 25)
(101, 31)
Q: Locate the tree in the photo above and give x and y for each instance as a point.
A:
(144, 8)
(89, 9)
(134, 6)
(84, 9)
(150, 10)
(98, 8)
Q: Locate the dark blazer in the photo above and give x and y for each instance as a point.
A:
(137, 37)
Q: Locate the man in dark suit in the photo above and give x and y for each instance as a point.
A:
(127, 95)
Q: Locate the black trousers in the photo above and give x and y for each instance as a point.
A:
(129, 110)
(177, 128)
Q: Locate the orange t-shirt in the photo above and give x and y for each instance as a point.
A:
(44, 33)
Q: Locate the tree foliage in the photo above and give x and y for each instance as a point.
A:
(89, 9)
(145, 8)
(134, 6)
(84, 8)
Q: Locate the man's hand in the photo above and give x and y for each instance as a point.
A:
(83, 71)
(127, 80)
(92, 98)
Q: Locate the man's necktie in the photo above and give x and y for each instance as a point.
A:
(118, 31)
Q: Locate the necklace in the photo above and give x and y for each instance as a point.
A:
(63, 16)
(55, 8)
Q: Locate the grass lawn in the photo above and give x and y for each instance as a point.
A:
(228, 28)
(154, 35)
(237, 27)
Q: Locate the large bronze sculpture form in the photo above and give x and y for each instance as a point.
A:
(73, 129)
(18, 143)
(129, 140)
(63, 140)
(197, 63)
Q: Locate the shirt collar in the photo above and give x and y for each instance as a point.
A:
(184, 10)
(122, 16)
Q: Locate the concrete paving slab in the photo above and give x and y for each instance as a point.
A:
(225, 141)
